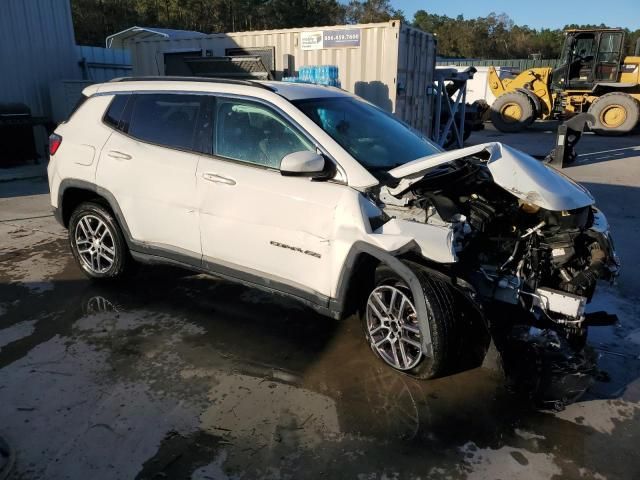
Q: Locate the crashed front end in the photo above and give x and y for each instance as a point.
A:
(525, 241)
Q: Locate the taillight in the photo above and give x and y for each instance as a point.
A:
(54, 143)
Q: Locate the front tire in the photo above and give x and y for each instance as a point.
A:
(512, 112)
(96, 241)
(392, 330)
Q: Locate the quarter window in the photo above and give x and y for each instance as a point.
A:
(253, 133)
(115, 110)
(173, 120)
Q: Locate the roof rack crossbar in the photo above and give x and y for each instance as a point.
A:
(159, 78)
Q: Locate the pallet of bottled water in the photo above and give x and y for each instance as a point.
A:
(318, 74)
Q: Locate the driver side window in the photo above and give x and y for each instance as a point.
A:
(253, 133)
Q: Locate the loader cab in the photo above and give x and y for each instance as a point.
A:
(589, 57)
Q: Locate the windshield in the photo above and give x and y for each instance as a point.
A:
(373, 137)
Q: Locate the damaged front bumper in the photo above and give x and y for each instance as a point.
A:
(569, 308)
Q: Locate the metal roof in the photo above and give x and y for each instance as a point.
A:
(125, 37)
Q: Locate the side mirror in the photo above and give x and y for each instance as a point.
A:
(303, 164)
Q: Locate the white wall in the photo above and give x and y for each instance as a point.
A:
(478, 87)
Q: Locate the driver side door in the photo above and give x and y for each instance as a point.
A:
(608, 59)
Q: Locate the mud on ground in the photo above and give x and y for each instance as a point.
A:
(175, 375)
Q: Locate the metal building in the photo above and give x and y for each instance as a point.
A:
(102, 64)
(389, 64)
(125, 38)
(37, 47)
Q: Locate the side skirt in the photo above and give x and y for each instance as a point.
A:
(316, 301)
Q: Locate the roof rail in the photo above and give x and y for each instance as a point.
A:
(160, 78)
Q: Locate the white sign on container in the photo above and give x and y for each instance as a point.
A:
(311, 40)
(330, 39)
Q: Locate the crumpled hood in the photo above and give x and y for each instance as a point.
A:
(515, 171)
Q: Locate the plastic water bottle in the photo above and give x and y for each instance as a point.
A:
(318, 74)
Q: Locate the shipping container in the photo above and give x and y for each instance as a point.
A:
(390, 64)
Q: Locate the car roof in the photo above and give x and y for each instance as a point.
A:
(301, 91)
(289, 90)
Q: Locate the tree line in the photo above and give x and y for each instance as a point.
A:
(498, 37)
(494, 36)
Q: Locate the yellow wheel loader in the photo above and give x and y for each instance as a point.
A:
(591, 77)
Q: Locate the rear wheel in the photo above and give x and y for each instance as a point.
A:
(615, 113)
(512, 112)
(394, 333)
(97, 242)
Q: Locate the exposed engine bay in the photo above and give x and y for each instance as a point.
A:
(509, 247)
(523, 262)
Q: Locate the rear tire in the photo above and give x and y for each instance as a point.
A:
(512, 112)
(615, 113)
(388, 328)
(96, 242)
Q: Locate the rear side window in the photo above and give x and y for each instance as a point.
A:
(115, 111)
(173, 120)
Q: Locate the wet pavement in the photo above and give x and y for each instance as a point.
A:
(175, 375)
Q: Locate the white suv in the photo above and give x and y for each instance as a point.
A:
(312, 192)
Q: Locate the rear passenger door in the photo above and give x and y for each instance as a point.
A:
(149, 164)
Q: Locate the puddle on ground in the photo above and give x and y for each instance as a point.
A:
(174, 375)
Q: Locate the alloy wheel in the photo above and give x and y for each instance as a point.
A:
(392, 326)
(95, 244)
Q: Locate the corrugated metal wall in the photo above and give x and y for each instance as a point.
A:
(37, 46)
(102, 64)
(65, 95)
(371, 70)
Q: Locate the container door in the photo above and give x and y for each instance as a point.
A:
(416, 64)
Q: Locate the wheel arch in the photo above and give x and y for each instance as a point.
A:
(537, 103)
(72, 192)
(357, 273)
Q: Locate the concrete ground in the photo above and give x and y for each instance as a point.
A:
(175, 375)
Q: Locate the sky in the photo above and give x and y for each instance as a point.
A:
(538, 13)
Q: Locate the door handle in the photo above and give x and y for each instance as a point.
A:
(214, 177)
(118, 155)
